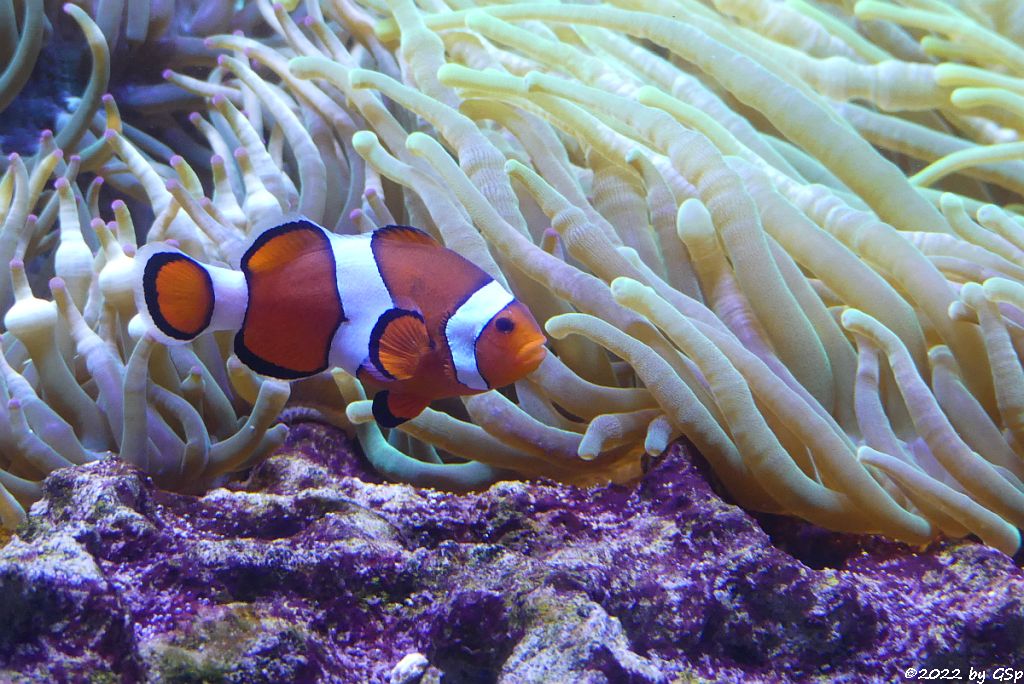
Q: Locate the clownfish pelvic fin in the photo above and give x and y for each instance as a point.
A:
(391, 409)
(179, 298)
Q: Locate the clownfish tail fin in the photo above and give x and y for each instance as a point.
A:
(179, 298)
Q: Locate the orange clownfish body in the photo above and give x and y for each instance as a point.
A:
(395, 308)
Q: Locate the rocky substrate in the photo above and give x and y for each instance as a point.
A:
(316, 570)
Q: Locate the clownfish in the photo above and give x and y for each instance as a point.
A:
(395, 308)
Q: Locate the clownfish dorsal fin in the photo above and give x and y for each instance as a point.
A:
(398, 343)
(391, 409)
(406, 235)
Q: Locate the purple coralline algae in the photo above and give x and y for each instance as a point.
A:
(314, 569)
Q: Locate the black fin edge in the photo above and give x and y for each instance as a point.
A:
(257, 363)
(378, 329)
(263, 367)
(271, 233)
(391, 229)
(149, 275)
(382, 412)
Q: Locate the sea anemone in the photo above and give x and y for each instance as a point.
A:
(704, 204)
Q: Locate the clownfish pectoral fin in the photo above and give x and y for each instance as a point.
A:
(391, 409)
(398, 343)
(406, 234)
(368, 371)
(174, 293)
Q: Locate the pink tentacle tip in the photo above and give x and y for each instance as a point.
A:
(308, 21)
(17, 264)
(240, 153)
(31, 219)
(98, 181)
(13, 157)
(117, 205)
(172, 185)
(110, 134)
(61, 183)
(14, 405)
(208, 43)
(68, 7)
(75, 159)
(194, 118)
(238, 33)
(278, 7)
(166, 74)
(176, 159)
(47, 134)
(171, 242)
(107, 98)
(129, 249)
(216, 160)
(217, 100)
(370, 193)
(221, 60)
(355, 214)
(97, 224)
(59, 154)
(57, 285)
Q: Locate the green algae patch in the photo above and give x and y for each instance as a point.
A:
(232, 643)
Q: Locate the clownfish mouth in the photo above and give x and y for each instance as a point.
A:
(531, 355)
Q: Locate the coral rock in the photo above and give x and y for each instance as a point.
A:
(309, 571)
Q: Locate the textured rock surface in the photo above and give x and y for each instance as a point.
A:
(314, 570)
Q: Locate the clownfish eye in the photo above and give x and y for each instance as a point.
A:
(504, 325)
